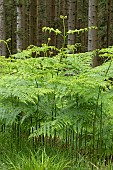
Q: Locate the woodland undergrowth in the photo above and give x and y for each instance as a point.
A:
(58, 102)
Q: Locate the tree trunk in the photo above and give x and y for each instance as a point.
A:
(72, 21)
(19, 34)
(33, 22)
(12, 27)
(93, 33)
(24, 40)
(2, 29)
(82, 18)
(39, 22)
(92, 21)
(58, 23)
(108, 22)
(27, 23)
(52, 21)
(65, 8)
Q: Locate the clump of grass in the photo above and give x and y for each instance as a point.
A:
(43, 160)
(36, 161)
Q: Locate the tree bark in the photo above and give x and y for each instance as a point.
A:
(2, 29)
(19, 27)
(52, 21)
(93, 33)
(72, 21)
(108, 22)
(39, 22)
(33, 22)
(92, 21)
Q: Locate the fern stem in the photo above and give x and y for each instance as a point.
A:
(108, 68)
(101, 132)
(94, 123)
(76, 140)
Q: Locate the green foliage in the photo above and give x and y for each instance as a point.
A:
(36, 161)
(43, 160)
(70, 48)
(58, 101)
(6, 43)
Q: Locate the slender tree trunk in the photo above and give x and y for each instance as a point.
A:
(83, 18)
(72, 21)
(27, 22)
(12, 26)
(19, 37)
(58, 24)
(92, 21)
(32, 22)
(2, 29)
(39, 22)
(10, 11)
(47, 18)
(24, 42)
(93, 33)
(65, 8)
(108, 22)
(52, 21)
(60, 9)
(65, 13)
